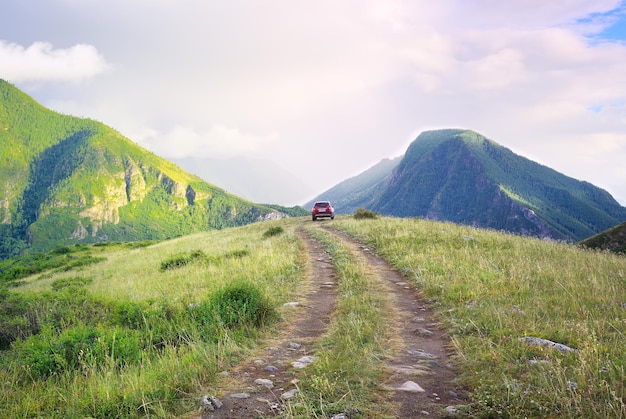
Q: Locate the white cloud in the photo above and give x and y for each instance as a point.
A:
(41, 62)
(217, 141)
(497, 70)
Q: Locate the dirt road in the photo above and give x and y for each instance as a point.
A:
(419, 378)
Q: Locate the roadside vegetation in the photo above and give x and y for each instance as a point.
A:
(493, 289)
(364, 214)
(143, 332)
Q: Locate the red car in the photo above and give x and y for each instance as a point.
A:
(322, 209)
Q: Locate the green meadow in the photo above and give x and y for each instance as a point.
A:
(144, 329)
(493, 289)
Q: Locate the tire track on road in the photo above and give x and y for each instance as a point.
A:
(421, 351)
(244, 395)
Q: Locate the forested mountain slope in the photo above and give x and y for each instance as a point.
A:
(68, 180)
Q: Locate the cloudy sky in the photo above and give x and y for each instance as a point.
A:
(328, 88)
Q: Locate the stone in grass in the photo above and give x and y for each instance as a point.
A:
(289, 394)
(210, 403)
(303, 362)
(418, 370)
(423, 332)
(216, 402)
(421, 354)
(240, 396)
(451, 410)
(349, 413)
(407, 386)
(547, 343)
(264, 382)
(411, 387)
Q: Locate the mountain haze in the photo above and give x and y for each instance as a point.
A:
(68, 180)
(461, 176)
(254, 179)
(359, 191)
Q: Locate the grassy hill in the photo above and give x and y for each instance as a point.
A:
(153, 321)
(461, 176)
(613, 239)
(67, 180)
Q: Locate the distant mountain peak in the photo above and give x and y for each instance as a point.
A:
(461, 176)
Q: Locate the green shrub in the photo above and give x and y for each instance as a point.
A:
(365, 214)
(122, 346)
(203, 318)
(83, 261)
(78, 348)
(139, 244)
(61, 250)
(16, 322)
(129, 314)
(163, 325)
(237, 254)
(241, 304)
(75, 281)
(273, 231)
(37, 355)
(180, 260)
(174, 262)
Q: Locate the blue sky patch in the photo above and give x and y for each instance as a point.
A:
(615, 22)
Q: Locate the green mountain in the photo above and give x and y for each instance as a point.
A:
(461, 176)
(67, 180)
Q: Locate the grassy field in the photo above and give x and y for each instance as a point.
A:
(143, 331)
(494, 289)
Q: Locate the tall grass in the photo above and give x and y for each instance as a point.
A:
(493, 289)
(127, 338)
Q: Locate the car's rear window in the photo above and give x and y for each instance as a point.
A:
(321, 204)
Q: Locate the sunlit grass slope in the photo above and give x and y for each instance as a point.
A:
(144, 331)
(493, 289)
(231, 254)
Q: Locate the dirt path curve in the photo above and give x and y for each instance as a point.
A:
(311, 317)
(421, 350)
